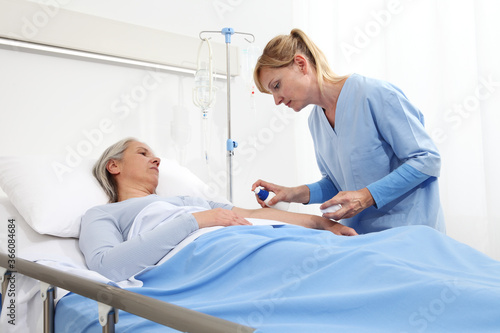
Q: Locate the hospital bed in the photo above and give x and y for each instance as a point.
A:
(269, 277)
(46, 248)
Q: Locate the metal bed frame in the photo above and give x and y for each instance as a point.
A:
(109, 299)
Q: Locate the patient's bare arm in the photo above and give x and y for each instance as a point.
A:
(219, 217)
(305, 220)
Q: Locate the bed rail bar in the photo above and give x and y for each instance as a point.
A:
(4, 279)
(171, 315)
(48, 293)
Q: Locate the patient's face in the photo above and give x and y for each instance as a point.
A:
(139, 165)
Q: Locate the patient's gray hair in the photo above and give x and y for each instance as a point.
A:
(101, 173)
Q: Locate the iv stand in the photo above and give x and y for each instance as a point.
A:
(230, 144)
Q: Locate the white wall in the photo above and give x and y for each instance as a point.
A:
(57, 105)
(52, 105)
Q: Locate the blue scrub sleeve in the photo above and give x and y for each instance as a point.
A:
(395, 184)
(401, 125)
(321, 191)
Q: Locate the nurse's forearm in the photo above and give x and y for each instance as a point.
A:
(300, 194)
(321, 191)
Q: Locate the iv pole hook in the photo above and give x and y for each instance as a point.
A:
(234, 32)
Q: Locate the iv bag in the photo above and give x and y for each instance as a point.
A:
(204, 90)
(249, 56)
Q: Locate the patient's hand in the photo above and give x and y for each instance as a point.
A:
(219, 217)
(340, 229)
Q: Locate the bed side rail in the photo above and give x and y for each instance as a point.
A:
(171, 315)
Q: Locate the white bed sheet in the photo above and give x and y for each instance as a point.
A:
(33, 246)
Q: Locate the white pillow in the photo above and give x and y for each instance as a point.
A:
(178, 180)
(52, 197)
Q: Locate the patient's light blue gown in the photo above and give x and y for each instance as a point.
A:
(377, 130)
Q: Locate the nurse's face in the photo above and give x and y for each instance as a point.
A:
(288, 85)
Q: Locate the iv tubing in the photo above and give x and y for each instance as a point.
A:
(210, 66)
(199, 98)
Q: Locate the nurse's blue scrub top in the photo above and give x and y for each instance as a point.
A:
(376, 130)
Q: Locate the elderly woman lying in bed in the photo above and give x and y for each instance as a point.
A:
(128, 172)
(277, 279)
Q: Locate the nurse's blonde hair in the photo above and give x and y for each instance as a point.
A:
(100, 170)
(281, 51)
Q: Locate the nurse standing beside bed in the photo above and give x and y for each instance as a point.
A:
(378, 162)
(128, 172)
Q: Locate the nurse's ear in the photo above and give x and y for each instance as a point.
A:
(301, 62)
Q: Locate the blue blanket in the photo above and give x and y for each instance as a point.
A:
(292, 279)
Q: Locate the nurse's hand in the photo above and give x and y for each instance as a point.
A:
(281, 192)
(353, 202)
(298, 194)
